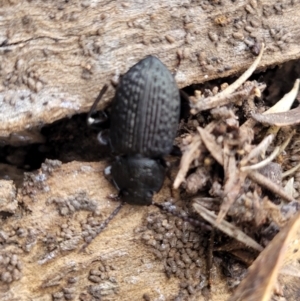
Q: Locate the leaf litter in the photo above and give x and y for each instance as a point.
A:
(237, 168)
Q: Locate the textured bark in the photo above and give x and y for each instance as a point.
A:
(48, 261)
(55, 56)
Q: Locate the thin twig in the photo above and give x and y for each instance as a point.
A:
(285, 103)
(187, 158)
(262, 163)
(268, 184)
(104, 225)
(214, 101)
(258, 150)
(287, 141)
(226, 227)
(193, 152)
(277, 150)
(290, 171)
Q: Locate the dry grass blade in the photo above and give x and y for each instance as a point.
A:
(233, 183)
(230, 89)
(226, 227)
(231, 196)
(213, 102)
(260, 149)
(291, 117)
(268, 184)
(262, 146)
(262, 275)
(263, 163)
(282, 105)
(224, 97)
(287, 141)
(285, 103)
(188, 157)
(210, 143)
(290, 171)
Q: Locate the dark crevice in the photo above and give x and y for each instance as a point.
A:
(4, 215)
(6, 44)
(71, 139)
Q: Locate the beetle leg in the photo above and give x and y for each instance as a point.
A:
(107, 171)
(107, 174)
(103, 225)
(103, 137)
(184, 105)
(90, 119)
(171, 208)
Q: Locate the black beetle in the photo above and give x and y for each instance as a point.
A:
(144, 120)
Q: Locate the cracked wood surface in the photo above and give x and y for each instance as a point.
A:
(48, 249)
(56, 56)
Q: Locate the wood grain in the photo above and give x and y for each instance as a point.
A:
(56, 56)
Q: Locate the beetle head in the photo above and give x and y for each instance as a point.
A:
(137, 178)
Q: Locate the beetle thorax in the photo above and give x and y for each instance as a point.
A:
(137, 178)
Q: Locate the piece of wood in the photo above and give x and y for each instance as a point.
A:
(45, 233)
(54, 59)
(56, 56)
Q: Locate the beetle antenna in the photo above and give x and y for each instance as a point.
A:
(90, 119)
(172, 209)
(103, 225)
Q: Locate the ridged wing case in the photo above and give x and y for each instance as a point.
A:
(145, 110)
